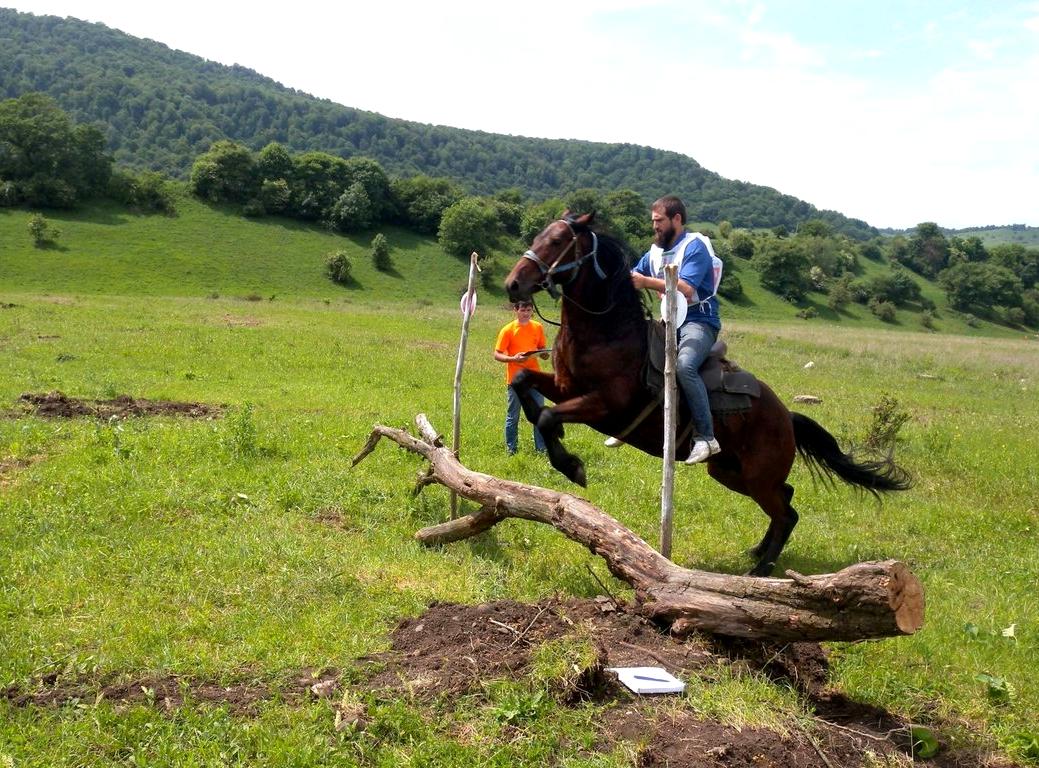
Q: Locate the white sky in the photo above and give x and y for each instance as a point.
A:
(891, 111)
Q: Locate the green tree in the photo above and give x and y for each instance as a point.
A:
(47, 160)
(977, 287)
(422, 200)
(814, 228)
(928, 250)
(353, 211)
(539, 216)
(381, 259)
(469, 225)
(372, 178)
(274, 162)
(225, 174)
(742, 244)
(783, 267)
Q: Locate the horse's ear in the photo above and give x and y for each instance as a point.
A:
(585, 220)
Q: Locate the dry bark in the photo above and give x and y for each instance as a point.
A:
(865, 600)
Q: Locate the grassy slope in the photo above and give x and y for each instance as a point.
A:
(127, 548)
(204, 251)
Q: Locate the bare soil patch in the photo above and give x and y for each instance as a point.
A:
(171, 691)
(452, 648)
(57, 405)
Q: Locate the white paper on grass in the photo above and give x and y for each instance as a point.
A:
(648, 679)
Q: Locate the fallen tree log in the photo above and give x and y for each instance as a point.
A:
(865, 600)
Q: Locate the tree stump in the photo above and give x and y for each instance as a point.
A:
(865, 600)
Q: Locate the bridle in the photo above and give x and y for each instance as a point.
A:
(549, 272)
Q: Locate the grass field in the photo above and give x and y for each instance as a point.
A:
(202, 548)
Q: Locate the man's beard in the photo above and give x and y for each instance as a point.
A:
(666, 238)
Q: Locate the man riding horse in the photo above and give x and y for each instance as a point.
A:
(691, 252)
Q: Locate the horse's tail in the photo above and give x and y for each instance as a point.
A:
(824, 457)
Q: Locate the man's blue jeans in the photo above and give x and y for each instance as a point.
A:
(694, 344)
(512, 417)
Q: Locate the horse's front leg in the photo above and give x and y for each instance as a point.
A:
(545, 384)
(549, 420)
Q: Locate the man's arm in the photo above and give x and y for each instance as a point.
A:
(640, 281)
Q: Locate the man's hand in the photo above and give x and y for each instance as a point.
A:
(639, 280)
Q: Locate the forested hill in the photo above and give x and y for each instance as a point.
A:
(161, 108)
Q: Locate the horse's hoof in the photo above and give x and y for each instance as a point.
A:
(578, 475)
(762, 569)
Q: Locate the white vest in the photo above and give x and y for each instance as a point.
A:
(659, 258)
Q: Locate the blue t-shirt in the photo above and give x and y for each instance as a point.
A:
(698, 271)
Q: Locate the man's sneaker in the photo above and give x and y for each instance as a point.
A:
(613, 442)
(703, 449)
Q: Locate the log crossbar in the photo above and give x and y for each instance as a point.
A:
(863, 601)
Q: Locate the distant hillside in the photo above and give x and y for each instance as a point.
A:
(1022, 234)
(161, 108)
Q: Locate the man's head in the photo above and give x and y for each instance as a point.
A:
(524, 310)
(668, 214)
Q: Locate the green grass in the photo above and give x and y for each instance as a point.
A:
(197, 548)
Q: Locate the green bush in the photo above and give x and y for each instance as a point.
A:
(885, 310)
(42, 231)
(338, 267)
(381, 253)
(731, 287)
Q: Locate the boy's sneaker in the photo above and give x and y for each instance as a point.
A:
(703, 449)
(613, 442)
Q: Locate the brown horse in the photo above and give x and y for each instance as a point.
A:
(598, 357)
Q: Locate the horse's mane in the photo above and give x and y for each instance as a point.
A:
(616, 259)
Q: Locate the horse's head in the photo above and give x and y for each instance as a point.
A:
(554, 257)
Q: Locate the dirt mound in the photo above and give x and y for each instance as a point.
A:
(451, 648)
(57, 405)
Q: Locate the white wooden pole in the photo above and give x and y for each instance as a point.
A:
(468, 305)
(670, 409)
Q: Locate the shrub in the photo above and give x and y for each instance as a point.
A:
(731, 287)
(742, 244)
(839, 296)
(888, 418)
(885, 310)
(1015, 316)
(42, 231)
(254, 208)
(381, 253)
(927, 320)
(338, 267)
(807, 313)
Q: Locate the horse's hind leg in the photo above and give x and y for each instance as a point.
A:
(775, 502)
(782, 519)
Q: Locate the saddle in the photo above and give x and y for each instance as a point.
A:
(729, 387)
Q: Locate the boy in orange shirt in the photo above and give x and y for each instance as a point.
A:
(516, 343)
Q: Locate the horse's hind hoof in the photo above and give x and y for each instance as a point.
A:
(577, 474)
(762, 569)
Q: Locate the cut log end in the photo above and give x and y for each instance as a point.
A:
(907, 599)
